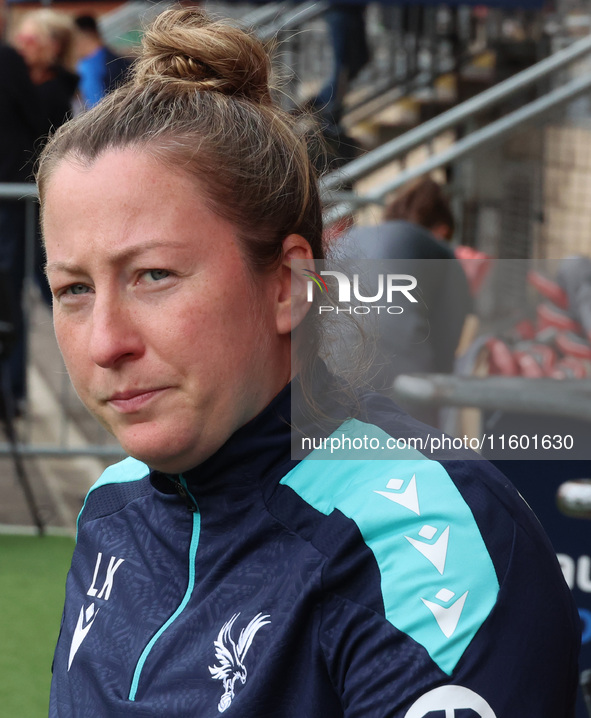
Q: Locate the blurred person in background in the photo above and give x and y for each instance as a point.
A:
(99, 68)
(350, 53)
(20, 126)
(45, 39)
(422, 204)
(417, 225)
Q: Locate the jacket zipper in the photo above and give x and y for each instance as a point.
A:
(184, 493)
(191, 503)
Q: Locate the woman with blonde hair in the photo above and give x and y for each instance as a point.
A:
(45, 39)
(213, 572)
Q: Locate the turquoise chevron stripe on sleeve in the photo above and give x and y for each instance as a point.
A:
(437, 578)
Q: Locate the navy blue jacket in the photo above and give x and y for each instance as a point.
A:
(336, 586)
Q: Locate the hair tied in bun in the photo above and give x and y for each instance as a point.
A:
(185, 45)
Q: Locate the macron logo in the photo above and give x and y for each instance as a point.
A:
(447, 617)
(433, 544)
(407, 498)
(88, 615)
(85, 621)
(436, 552)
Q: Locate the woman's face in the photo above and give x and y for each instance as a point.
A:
(168, 339)
(37, 48)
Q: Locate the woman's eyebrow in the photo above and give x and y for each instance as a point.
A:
(119, 256)
(67, 267)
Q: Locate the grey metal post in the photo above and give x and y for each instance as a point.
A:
(30, 242)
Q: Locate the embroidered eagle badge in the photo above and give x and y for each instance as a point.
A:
(230, 656)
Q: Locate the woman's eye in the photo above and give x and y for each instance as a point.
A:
(77, 289)
(157, 274)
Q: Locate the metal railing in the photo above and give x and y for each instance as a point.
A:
(293, 19)
(424, 134)
(569, 398)
(128, 18)
(478, 139)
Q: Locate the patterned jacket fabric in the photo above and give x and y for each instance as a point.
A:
(338, 586)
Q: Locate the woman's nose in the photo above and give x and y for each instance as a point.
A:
(115, 336)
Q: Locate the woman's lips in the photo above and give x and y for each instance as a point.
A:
(130, 401)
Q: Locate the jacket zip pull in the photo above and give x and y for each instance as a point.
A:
(184, 494)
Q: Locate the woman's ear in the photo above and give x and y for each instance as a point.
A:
(292, 303)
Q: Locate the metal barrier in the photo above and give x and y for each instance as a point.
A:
(424, 135)
(127, 18)
(569, 398)
(479, 139)
(426, 132)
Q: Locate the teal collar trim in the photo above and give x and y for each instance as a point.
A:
(127, 470)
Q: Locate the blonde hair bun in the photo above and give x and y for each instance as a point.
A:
(186, 48)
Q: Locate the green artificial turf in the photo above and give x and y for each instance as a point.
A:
(32, 583)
